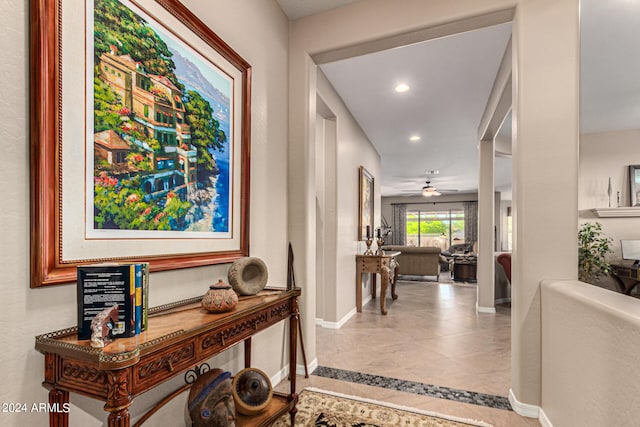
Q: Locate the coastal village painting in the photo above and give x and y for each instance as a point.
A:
(161, 131)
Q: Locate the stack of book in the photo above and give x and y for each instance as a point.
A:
(101, 286)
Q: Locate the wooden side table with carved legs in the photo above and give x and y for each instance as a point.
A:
(180, 336)
(377, 264)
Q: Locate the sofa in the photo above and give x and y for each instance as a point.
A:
(504, 260)
(417, 261)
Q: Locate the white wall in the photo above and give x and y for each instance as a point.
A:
(604, 155)
(590, 345)
(258, 31)
(353, 149)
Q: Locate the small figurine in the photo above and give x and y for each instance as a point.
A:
(102, 325)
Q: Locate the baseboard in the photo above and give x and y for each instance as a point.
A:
(524, 409)
(490, 310)
(311, 367)
(544, 420)
(336, 325)
(283, 374)
(502, 300)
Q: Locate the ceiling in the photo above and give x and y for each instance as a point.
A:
(295, 9)
(450, 79)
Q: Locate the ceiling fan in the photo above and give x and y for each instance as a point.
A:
(429, 190)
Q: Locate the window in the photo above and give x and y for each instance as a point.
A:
(435, 228)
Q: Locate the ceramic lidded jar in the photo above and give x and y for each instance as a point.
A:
(219, 298)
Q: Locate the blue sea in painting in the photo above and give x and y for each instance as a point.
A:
(190, 75)
(220, 219)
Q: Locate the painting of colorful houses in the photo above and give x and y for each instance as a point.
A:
(161, 129)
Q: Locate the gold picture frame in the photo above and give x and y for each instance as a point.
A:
(634, 185)
(366, 203)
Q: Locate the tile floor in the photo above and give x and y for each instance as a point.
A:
(432, 352)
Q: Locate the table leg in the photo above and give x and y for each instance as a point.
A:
(395, 280)
(359, 290)
(630, 288)
(384, 274)
(247, 352)
(59, 399)
(119, 418)
(374, 285)
(294, 320)
(118, 398)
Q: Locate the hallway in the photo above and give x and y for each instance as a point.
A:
(431, 352)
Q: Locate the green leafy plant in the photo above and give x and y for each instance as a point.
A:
(593, 248)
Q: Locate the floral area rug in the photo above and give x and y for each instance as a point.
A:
(319, 408)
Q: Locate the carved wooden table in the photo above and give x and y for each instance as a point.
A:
(179, 337)
(382, 264)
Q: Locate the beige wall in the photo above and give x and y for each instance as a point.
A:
(546, 99)
(590, 346)
(353, 150)
(604, 155)
(258, 31)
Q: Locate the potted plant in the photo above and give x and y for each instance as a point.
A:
(593, 248)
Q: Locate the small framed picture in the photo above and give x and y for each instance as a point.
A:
(365, 211)
(634, 184)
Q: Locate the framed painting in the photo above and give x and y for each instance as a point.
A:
(140, 138)
(634, 184)
(365, 205)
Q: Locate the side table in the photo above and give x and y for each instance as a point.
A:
(465, 269)
(377, 264)
(180, 337)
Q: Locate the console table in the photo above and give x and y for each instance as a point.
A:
(377, 264)
(180, 336)
(631, 272)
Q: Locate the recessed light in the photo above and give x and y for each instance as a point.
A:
(402, 87)
(414, 138)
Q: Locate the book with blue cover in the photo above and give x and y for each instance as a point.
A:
(138, 299)
(145, 295)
